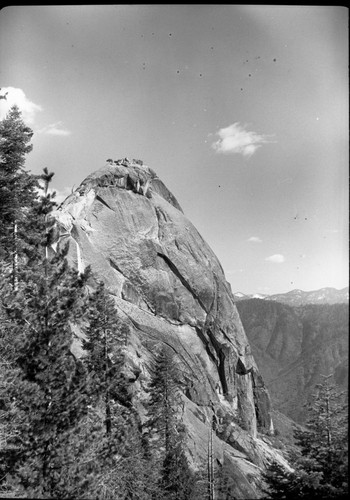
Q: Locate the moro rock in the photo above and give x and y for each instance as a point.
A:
(170, 288)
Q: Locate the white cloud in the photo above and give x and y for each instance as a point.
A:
(55, 129)
(254, 239)
(277, 258)
(235, 139)
(18, 97)
(29, 110)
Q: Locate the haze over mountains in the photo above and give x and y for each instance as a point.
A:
(298, 297)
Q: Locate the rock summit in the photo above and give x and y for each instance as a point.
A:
(170, 288)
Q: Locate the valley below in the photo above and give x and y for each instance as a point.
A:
(295, 347)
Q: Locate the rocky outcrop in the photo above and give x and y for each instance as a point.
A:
(170, 287)
(295, 346)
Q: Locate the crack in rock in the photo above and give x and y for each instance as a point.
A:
(184, 282)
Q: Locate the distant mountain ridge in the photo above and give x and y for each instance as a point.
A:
(298, 297)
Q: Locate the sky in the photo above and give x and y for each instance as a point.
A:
(242, 111)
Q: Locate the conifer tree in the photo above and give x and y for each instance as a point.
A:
(120, 467)
(49, 393)
(17, 195)
(225, 483)
(8, 377)
(325, 442)
(165, 433)
(321, 466)
(106, 337)
(122, 470)
(17, 187)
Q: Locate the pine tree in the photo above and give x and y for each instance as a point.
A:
(120, 468)
(325, 440)
(8, 378)
(321, 464)
(225, 482)
(165, 433)
(17, 188)
(106, 337)
(49, 394)
(125, 473)
(17, 196)
(287, 485)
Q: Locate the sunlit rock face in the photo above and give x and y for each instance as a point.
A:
(170, 287)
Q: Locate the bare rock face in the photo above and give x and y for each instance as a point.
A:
(170, 287)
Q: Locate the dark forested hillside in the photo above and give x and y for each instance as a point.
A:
(294, 346)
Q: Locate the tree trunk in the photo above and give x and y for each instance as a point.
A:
(15, 257)
(211, 491)
(108, 420)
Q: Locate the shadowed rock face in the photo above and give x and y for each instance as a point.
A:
(170, 287)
